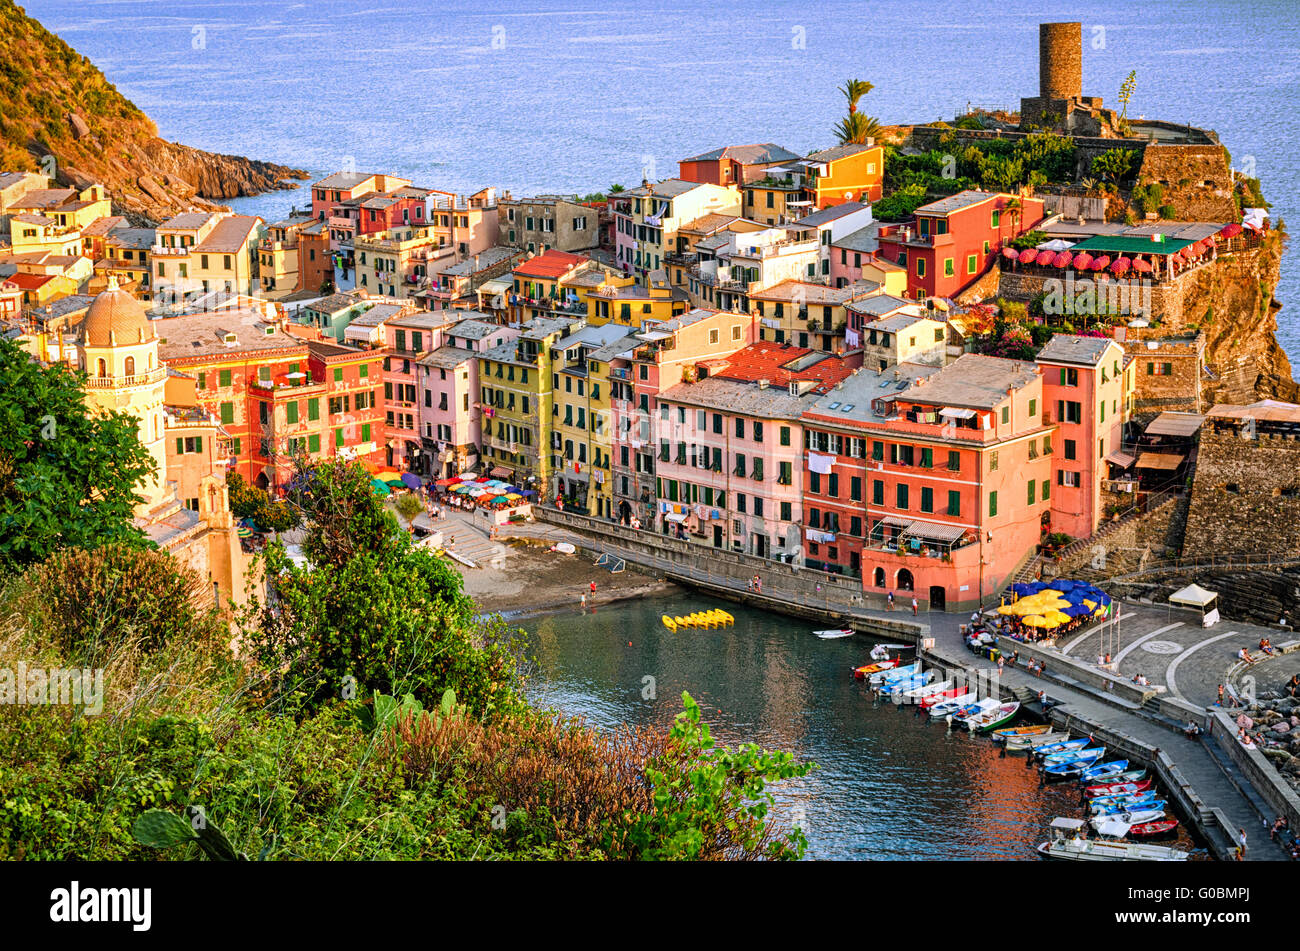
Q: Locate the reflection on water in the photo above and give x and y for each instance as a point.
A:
(890, 784)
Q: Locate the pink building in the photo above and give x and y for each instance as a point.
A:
(450, 417)
(730, 449)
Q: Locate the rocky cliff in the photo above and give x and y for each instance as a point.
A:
(60, 116)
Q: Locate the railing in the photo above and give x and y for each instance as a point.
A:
(159, 250)
(139, 379)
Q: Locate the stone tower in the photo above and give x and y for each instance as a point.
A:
(1060, 60)
(117, 347)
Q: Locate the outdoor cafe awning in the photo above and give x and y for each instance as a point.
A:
(1175, 424)
(501, 472)
(674, 517)
(1121, 459)
(1163, 461)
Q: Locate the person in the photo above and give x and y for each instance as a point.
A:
(1278, 826)
(1001, 661)
(1015, 658)
(584, 599)
(758, 585)
(1101, 660)
(1293, 686)
(559, 503)
(1108, 660)
(1219, 702)
(974, 617)
(1241, 849)
(913, 605)
(1192, 730)
(593, 589)
(1244, 654)
(889, 599)
(1266, 646)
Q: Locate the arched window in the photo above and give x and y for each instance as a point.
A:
(103, 368)
(905, 582)
(130, 366)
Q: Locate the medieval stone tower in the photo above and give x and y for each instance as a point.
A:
(1060, 60)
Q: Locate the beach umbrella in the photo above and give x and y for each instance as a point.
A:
(1231, 231)
(411, 480)
(1010, 253)
(395, 483)
(1100, 264)
(1028, 255)
(1057, 617)
(500, 498)
(461, 489)
(1062, 259)
(513, 496)
(380, 488)
(1045, 258)
(1007, 609)
(1142, 265)
(1034, 620)
(1082, 260)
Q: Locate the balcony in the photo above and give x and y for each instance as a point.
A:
(162, 251)
(140, 379)
(906, 234)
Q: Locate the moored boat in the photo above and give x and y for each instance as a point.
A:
(951, 706)
(1114, 789)
(1104, 770)
(951, 693)
(1120, 808)
(1075, 755)
(668, 622)
(1068, 843)
(866, 670)
(1035, 740)
(834, 633)
(1065, 746)
(897, 672)
(998, 716)
(1153, 830)
(925, 690)
(980, 708)
(1007, 733)
(1137, 817)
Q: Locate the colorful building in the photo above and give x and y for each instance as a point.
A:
(647, 219)
(952, 242)
(199, 252)
(806, 314)
(548, 222)
(733, 164)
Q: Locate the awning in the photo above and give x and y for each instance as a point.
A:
(501, 472)
(1193, 595)
(674, 517)
(1121, 459)
(1165, 462)
(1175, 424)
(934, 531)
(957, 413)
(896, 521)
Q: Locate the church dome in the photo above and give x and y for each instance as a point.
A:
(115, 318)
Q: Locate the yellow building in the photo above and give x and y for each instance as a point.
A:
(805, 314)
(278, 257)
(200, 252)
(118, 349)
(516, 401)
(622, 301)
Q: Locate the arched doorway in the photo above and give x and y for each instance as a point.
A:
(938, 598)
(905, 582)
(878, 579)
(261, 481)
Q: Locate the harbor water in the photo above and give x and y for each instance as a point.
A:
(890, 784)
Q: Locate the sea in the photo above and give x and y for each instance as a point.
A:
(571, 96)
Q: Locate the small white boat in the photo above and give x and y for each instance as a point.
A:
(881, 651)
(1068, 843)
(564, 548)
(981, 707)
(1137, 817)
(919, 693)
(948, 707)
(1034, 740)
(832, 634)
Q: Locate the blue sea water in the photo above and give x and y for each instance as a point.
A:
(575, 95)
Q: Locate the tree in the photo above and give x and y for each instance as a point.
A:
(68, 474)
(408, 506)
(856, 128)
(1126, 91)
(1013, 209)
(1113, 165)
(248, 501)
(616, 188)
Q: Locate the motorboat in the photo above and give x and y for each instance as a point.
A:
(1115, 789)
(996, 717)
(950, 706)
(1001, 736)
(1069, 843)
(981, 707)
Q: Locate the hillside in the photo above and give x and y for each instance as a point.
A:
(56, 102)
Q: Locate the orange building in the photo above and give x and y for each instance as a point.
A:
(733, 164)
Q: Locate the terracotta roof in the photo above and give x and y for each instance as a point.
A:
(550, 264)
(229, 235)
(29, 282)
(115, 318)
(781, 364)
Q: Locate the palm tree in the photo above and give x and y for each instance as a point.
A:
(1012, 210)
(854, 90)
(615, 189)
(856, 128)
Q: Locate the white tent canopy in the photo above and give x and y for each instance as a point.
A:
(1056, 244)
(1193, 596)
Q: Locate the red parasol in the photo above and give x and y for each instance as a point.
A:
(1082, 260)
(1120, 265)
(1100, 264)
(1063, 259)
(1142, 265)
(1010, 253)
(1231, 231)
(1028, 255)
(1045, 258)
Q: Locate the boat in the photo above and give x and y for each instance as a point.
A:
(1152, 830)
(1104, 770)
(564, 548)
(1068, 843)
(1137, 817)
(950, 693)
(834, 633)
(905, 684)
(669, 622)
(1005, 734)
(1128, 776)
(1120, 808)
(1064, 746)
(926, 690)
(1074, 755)
(1035, 740)
(681, 622)
(881, 651)
(898, 673)
(1122, 798)
(996, 717)
(866, 670)
(1113, 789)
(980, 708)
(949, 707)
(1072, 767)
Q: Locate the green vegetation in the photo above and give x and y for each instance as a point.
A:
(994, 165)
(68, 476)
(248, 501)
(856, 127)
(1114, 165)
(408, 506)
(369, 714)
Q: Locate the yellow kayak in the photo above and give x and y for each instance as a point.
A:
(669, 622)
(682, 622)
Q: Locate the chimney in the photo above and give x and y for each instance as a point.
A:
(763, 384)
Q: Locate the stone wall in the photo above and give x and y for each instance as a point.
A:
(1261, 595)
(1155, 391)
(1126, 546)
(1196, 180)
(1266, 780)
(1245, 496)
